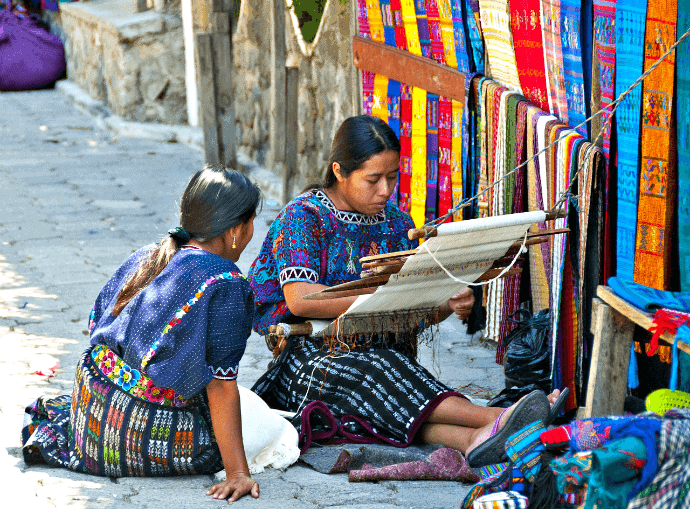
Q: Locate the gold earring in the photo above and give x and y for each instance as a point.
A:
(234, 245)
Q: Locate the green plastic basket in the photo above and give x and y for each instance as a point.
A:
(663, 400)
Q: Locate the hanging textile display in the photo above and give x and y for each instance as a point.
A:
(462, 57)
(605, 44)
(586, 34)
(553, 58)
(630, 28)
(471, 17)
(525, 22)
(495, 22)
(367, 77)
(658, 172)
(683, 137)
(572, 63)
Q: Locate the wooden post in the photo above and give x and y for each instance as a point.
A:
(608, 372)
(291, 128)
(278, 110)
(214, 54)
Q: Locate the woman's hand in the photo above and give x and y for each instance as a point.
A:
(461, 303)
(235, 488)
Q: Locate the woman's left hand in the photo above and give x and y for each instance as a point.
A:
(235, 488)
(461, 303)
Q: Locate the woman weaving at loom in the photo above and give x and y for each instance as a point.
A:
(168, 331)
(376, 390)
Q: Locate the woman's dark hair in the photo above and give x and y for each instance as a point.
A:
(357, 139)
(215, 200)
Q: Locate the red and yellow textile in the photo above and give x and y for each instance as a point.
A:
(658, 173)
(553, 57)
(529, 50)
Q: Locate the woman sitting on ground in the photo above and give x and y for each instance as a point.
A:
(377, 392)
(156, 393)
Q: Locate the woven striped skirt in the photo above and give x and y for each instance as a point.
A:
(373, 396)
(102, 429)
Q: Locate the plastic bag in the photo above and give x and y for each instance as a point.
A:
(527, 361)
(527, 358)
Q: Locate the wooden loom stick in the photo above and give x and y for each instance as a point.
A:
(431, 231)
(335, 292)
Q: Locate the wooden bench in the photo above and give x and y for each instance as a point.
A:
(613, 322)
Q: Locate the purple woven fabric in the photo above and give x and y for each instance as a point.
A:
(30, 57)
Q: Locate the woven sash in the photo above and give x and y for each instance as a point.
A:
(471, 16)
(423, 28)
(683, 137)
(419, 138)
(495, 18)
(459, 36)
(399, 27)
(367, 77)
(404, 185)
(572, 63)
(539, 256)
(658, 173)
(529, 54)
(553, 58)
(432, 110)
(630, 26)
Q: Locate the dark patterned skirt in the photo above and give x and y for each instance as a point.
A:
(104, 430)
(373, 396)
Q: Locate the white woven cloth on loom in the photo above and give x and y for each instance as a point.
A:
(466, 249)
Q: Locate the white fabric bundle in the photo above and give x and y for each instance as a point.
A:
(269, 439)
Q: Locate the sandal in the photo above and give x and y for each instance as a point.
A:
(533, 407)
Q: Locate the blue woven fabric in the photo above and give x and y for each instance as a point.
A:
(586, 43)
(683, 137)
(475, 38)
(461, 53)
(572, 63)
(630, 31)
(649, 299)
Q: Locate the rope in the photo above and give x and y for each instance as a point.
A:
(564, 196)
(469, 283)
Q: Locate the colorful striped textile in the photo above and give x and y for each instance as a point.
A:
(460, 40)
(445, 135)
(539, 256)
(501, 65)
(525, 22)
(587, 42)
(423, 28)
(471, 17)
(630, 28)
(658, 175)
(605, 46)
(553, 58)
(432, 110)
(418, 159)
(398, 26)
(404, 185)
(572, 63)
(683, 137)
(367, 77)
(497, 206)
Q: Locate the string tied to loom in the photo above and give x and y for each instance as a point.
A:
(522, 249)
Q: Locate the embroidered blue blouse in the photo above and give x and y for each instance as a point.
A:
(188, 326)
(312, 241)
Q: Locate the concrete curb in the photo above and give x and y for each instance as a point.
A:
(270, 183)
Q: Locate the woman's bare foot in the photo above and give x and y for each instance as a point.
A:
(486, 431)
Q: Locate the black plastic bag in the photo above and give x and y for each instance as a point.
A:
(527, 361)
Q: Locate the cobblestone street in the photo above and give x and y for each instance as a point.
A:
(75, 201)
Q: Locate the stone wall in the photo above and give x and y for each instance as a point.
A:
(134, 62)
(328, 86)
